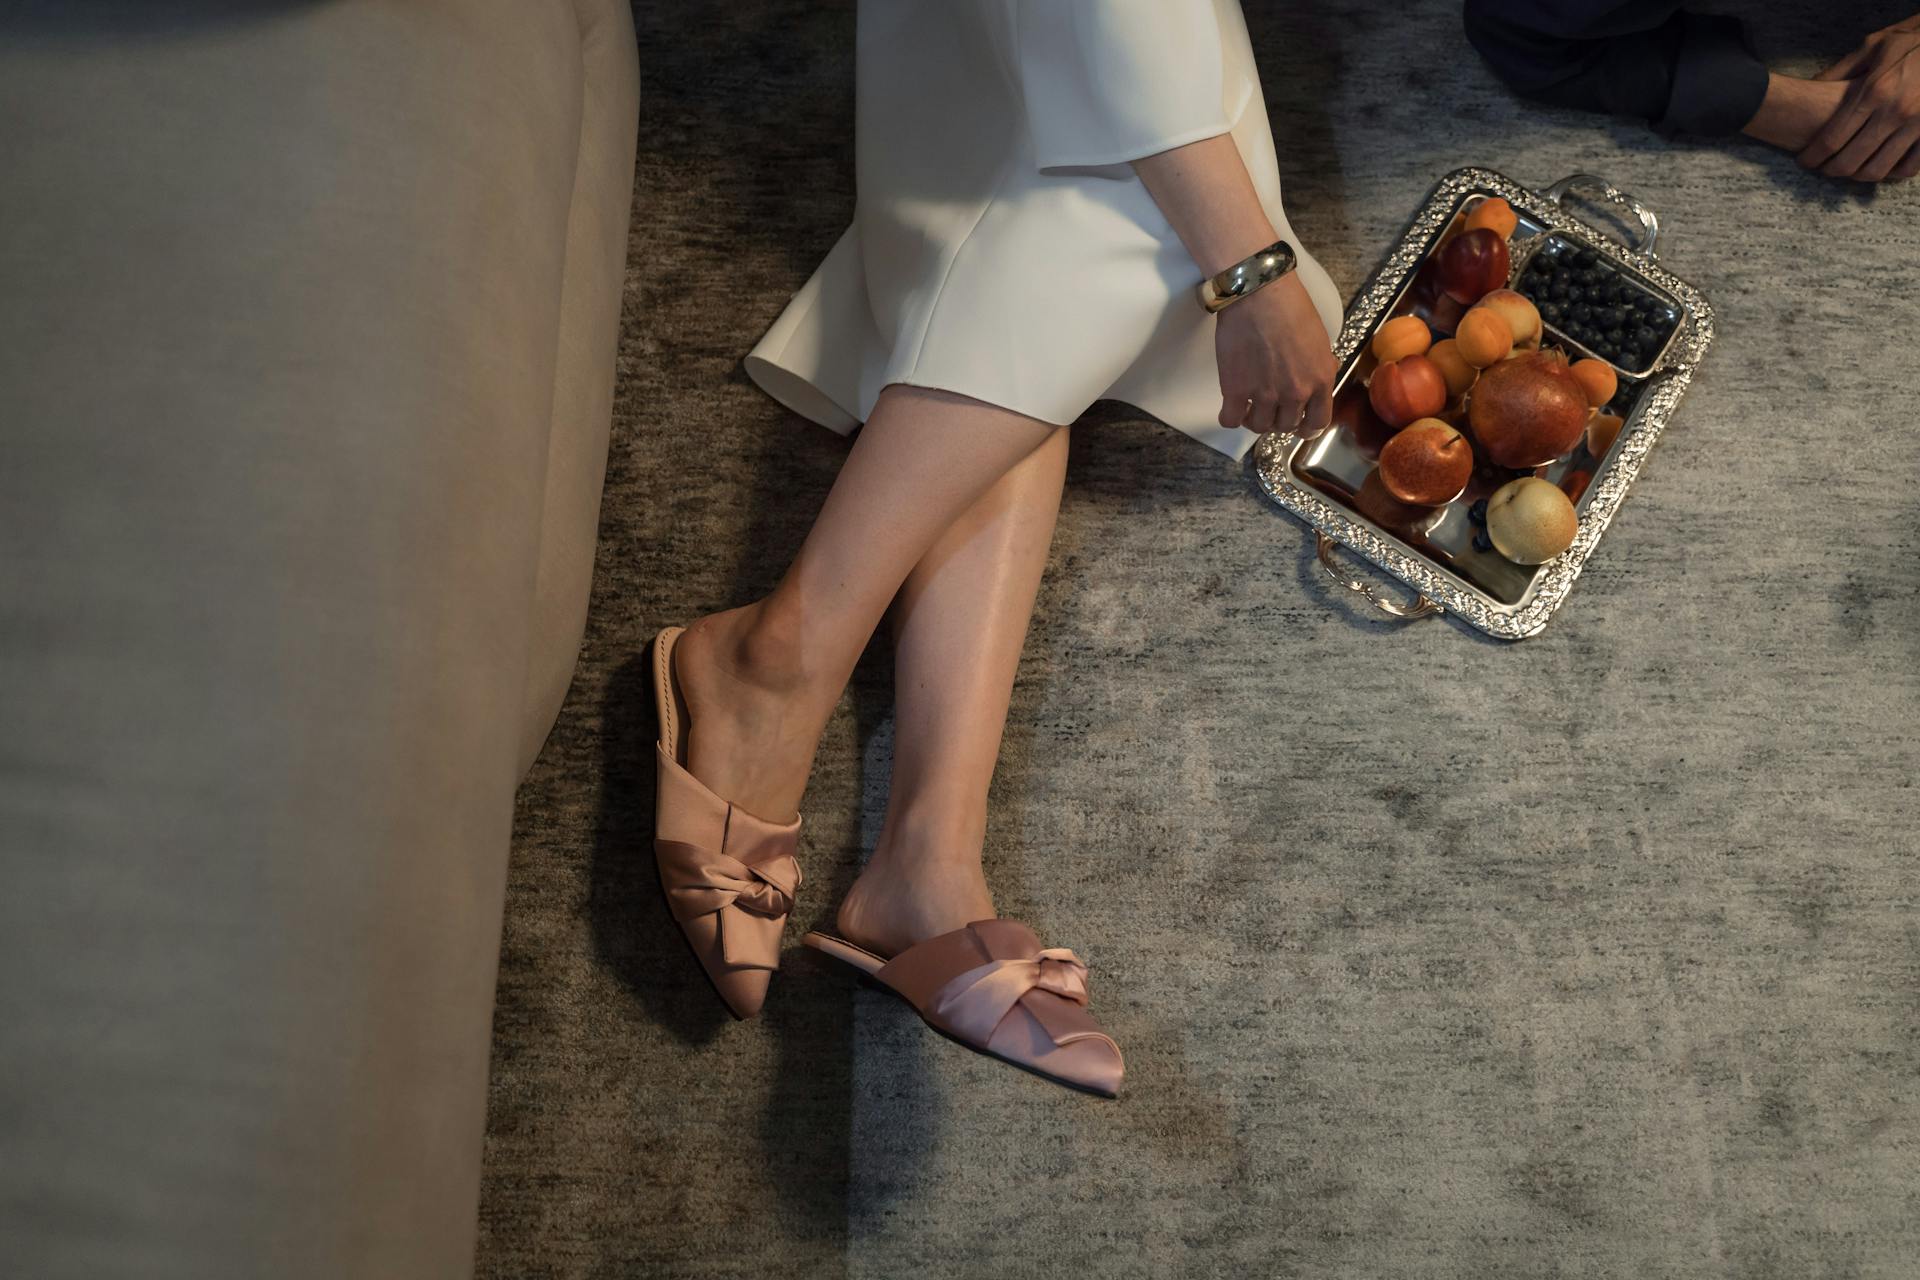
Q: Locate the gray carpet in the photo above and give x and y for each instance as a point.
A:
(1432, 956)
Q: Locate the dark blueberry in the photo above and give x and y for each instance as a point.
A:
(1633, 358)
(1613, 317)
(1580, 311)
(1645, 337)
(1561, 287)
(1481, 542)
(1478, 511)
(1616, 338)
(1575, 294)
(1583, 258)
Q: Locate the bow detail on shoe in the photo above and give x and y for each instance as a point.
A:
(751, 899)
(974, 1002)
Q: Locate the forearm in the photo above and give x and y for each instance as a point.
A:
(1207, 196)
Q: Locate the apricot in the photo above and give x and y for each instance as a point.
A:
(1400, 337)
(1519, 312)
(1597, 379)
(1494, 214)
(1453, 366)
(1602, 432)
(1483, 338)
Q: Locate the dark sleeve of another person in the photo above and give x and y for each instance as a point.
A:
(1681, 72)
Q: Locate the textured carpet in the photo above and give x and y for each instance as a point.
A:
(1432, 956)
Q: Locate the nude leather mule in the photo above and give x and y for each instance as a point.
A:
(994, 988)
(729, 876)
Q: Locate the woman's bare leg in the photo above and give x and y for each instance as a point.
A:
(761, 681)
(959, 625)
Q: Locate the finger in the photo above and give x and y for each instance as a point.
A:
(1836, 133)
(1908, 167)
(1847, 162)
(1286, 415)
(1847, 66)
(1319, 413)
(1233, 408)
(1266, 415)
(1880, 165)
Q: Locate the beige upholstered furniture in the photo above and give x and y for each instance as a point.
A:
(307, 324)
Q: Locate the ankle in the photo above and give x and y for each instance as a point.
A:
(923, 836)
(758, 646)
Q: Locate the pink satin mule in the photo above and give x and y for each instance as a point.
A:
(729, 876)
(994, 988)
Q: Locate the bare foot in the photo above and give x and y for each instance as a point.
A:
(754, 721)
(900, 900)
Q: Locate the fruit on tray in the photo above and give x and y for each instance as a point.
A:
(1598, 379)
(1408, 389)
(1428, 463)
(1453, 366)
(1473, 264)
(1598, 304)
(1483, 338)
(1575, 483)
(1520, 314)
(1400, 337)
(1528, 410)
(1530, 521)
(1495, 215)
(1602, 432)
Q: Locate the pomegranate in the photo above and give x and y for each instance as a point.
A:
(1528, 410)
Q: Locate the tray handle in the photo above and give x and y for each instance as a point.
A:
(1596, 185)
(1421, 606)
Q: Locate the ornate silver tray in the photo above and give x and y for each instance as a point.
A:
(1324, 481)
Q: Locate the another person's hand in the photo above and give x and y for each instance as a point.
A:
(1874, 134)
(1794, 110)
(1276, 365)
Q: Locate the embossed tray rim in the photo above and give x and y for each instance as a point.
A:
(1273, 455)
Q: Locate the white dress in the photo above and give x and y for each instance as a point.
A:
(1002, 247)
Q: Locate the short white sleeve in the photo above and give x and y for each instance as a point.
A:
(1108, 81)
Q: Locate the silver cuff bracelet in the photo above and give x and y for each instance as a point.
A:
(1247, 275)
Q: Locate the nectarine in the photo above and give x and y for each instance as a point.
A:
(1473, 264)
(1409, 388)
